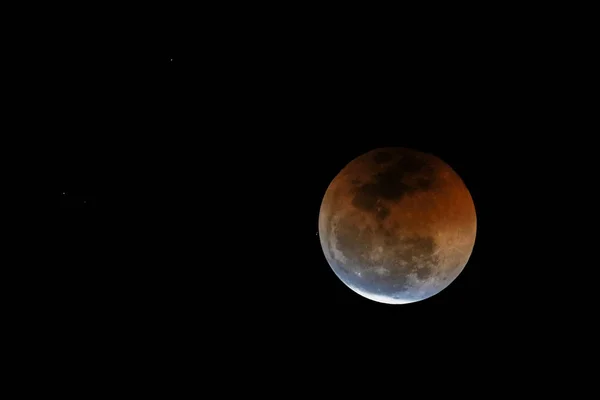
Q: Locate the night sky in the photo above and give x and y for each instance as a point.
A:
(190, 169)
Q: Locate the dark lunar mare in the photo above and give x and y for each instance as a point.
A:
(406, 172)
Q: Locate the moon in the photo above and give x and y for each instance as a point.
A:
(397, 225)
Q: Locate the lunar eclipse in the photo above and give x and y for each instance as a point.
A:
(397, 225)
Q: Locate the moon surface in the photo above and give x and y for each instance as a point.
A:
(397, 225)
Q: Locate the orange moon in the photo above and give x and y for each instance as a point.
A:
(397, 225)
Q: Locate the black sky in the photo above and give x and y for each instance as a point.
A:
(193, 186)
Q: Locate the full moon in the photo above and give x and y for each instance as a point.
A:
(397, 225)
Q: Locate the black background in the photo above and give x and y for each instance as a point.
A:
(203, 176)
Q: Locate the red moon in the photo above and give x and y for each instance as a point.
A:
(397, 225)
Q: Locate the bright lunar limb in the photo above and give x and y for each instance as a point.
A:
(379, 298)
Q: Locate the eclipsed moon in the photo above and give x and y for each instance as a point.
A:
(397, 225)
